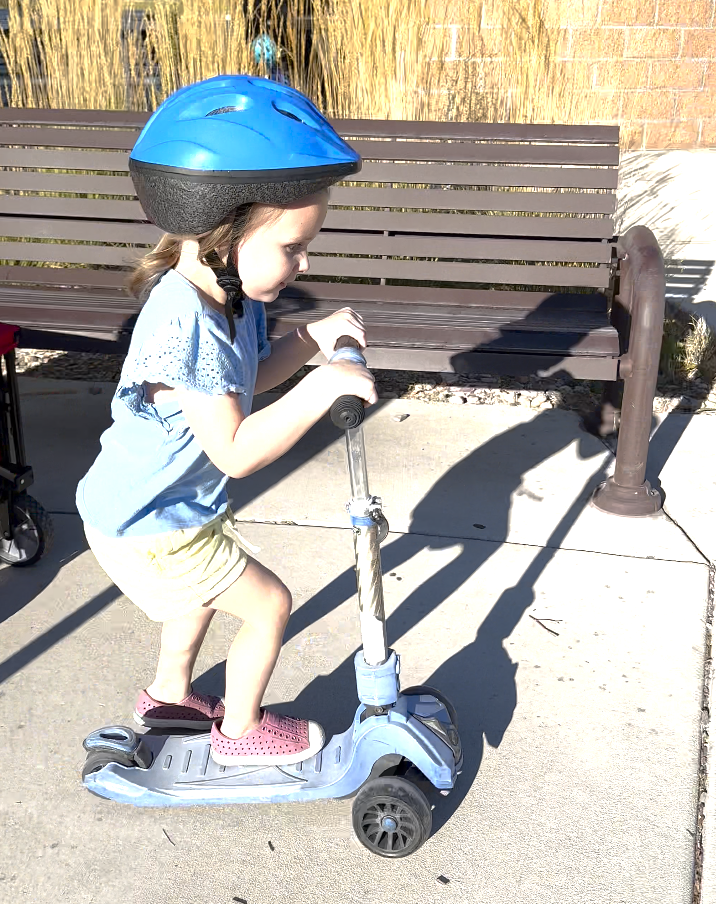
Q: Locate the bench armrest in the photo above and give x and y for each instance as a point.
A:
(638, 314)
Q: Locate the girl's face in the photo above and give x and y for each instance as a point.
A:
(273, 255)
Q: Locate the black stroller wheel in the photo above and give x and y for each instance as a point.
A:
(32, 532)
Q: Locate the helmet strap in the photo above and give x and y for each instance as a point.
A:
(228, 279)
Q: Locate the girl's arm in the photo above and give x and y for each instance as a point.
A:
(295, 349)
(287, 354)
(240, 445)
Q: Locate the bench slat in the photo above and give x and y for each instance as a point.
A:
(480, 131)
(112, 209)
(77, 208)
(357, 267)
(457, 318)
(61, 182)
(464, 152)
(62, 276)
(356, 127)
(353, 220)
(482, 174)
(472, 249)
(67, 254)
(301, 298)
(454, 328)
(93, 118)
(29, 158)
(422, 173)
(126, 233)
(111, 139)
(595, 277)
(303, 294)
(601, 342)
(579, 366)
(470, 224)
(445, 199)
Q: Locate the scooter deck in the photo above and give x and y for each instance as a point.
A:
(183, 773)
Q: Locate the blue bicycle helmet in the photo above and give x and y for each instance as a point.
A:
(230, 141)
(233, 140)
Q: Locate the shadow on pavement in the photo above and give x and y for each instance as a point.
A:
(480, 679)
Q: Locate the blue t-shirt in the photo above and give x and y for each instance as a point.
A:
(151, 474)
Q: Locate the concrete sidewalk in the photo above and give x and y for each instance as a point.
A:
(580, 780)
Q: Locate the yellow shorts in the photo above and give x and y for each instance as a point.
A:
(169, 574)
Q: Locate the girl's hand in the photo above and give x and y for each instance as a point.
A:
(347, 378)
(325, 333)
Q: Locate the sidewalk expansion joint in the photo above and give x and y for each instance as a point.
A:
(688, 537)
(460, 538)
(704, 765)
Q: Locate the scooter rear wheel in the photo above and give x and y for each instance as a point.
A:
(98, 759)
(391, 817)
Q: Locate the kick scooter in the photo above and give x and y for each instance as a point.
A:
(395, 736)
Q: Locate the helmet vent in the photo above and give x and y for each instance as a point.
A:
(224, 110)
(290, 115)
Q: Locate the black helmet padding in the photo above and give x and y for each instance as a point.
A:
(186, 204)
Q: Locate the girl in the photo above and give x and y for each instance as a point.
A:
(236, 171)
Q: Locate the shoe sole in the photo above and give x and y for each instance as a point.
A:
(198, 724)
(316, 742)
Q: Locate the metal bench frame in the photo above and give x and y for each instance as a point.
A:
(466, 247)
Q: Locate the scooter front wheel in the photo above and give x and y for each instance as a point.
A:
(391, 817)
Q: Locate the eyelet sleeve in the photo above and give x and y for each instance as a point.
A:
(185, 352)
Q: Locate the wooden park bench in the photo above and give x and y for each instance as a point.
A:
(471, 248)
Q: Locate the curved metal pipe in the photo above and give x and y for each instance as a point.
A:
(640, 304)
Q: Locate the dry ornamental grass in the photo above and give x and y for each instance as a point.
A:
(401, 59)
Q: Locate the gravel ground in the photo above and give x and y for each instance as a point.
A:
(474, 389)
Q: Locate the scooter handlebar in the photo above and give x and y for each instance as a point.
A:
(347, 342)
(347, 411)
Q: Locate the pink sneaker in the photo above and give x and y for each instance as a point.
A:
(278, 740)
(198, 711)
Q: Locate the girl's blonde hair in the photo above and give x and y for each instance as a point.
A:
(240, 225)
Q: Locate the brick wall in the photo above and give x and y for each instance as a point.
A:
(648, 65)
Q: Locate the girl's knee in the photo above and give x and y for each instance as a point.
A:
(281, 602)
(259, 597)
(275, 608)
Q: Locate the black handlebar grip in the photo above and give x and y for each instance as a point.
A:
(347, 342)
(347, 412)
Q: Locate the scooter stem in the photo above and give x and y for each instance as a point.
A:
(366, 517)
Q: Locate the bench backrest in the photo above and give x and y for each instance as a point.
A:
(441, 212)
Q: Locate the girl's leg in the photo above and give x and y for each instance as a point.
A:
(181, 639)
(264, 603)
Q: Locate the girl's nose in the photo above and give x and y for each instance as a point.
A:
(304, 266)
